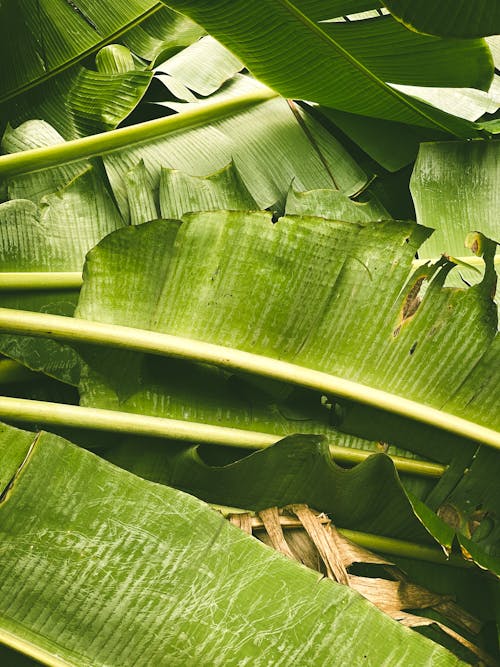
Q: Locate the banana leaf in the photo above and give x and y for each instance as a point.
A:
(97, 545)
(351, 62)
(99, 93)
(271, 144)
(203, 67)
(393, 145)
(287, 259)
(469, 174)
(40, 38)
(455, 188)
(298, 469)
(451, 18)
(161, 35)
(291, 148)
(51, 221)
(82, 101)
(283, 264)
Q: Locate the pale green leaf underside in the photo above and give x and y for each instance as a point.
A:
(271, 146)
(456, 189)
(202, 67)
(121, 558)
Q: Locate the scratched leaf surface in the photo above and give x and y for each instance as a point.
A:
(111, 554)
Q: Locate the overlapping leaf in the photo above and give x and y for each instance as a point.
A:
(456, 18)
(351, 60)
(82, 101)
(99, 545)
(307, 290)
(39, 38)
(51, 221)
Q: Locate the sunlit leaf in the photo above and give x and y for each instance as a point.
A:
(90, 527)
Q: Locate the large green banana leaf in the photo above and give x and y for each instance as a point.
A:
(114, 88)
(39, 38)
(101, 567)
(349, 62)
(299, 291)
(456, 18)
(307, 290)
(272, 155)
(89, 97)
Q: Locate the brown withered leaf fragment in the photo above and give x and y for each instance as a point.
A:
(271, 520)
(413, 621)
(311, 538)
(324, 542)
(412, 300)
(242, 521)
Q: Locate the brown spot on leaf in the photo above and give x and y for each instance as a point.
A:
(450, 515)
(410, 304)
(412, 301)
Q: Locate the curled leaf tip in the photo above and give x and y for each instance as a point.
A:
(486, 248)
(475, 242)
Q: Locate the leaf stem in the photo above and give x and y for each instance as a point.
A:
(40, 280)
(74, 416)
(105, 142)
(27, 647)
(111, 335)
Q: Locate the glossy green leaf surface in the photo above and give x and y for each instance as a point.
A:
(82, 101)
(450, 18)
(72, 523)
(161, 35)
(39, 38)
(343, 71)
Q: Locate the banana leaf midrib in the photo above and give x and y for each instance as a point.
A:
(57, 70)
(37, 159)
(356, 63)
(78, 330)
(34, 280)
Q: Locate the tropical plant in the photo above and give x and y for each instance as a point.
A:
(225, 300)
